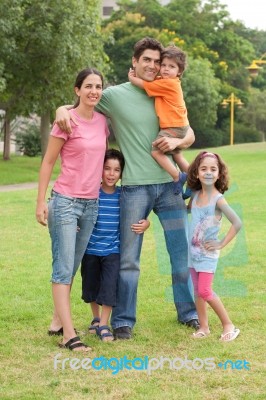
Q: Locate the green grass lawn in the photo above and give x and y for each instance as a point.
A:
(27, 352)
(20, 169)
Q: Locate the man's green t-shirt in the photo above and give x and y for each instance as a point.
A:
(135, 126)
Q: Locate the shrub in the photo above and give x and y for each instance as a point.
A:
(209, 138)
(246, 134)
(29, 142)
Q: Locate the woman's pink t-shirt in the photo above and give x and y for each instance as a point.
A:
(82, 157)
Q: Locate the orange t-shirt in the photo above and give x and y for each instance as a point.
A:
(169, 102)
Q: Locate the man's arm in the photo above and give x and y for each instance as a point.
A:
(166, 144)
(63, 117)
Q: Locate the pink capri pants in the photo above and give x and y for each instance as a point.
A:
(202, 282)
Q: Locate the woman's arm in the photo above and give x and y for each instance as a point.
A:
(236, 224)
(54, 146)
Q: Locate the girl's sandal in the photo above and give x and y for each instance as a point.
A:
(73, 344)
(199, 335)
(229, 336)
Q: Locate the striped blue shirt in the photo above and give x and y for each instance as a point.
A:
(105, 237)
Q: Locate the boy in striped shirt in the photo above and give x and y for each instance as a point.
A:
(101, 262)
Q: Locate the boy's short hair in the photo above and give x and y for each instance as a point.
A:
(176, 54)
(144, 44)
(113, 154)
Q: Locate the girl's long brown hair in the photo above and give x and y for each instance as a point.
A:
(193, 181)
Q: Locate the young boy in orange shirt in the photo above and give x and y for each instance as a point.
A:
(171, 110)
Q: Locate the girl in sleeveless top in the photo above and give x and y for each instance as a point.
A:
(208, 179)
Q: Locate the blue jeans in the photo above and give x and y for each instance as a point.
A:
(70, 221)
(136, 203)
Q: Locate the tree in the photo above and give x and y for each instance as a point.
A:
(254, 113)
(45, 45)
(201, 93)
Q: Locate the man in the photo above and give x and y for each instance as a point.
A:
(145, 187)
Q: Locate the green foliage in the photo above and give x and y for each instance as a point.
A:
(236, 51)
(43, 46)
(30, 142)
(246, 134)
(210, 138)
(201, 93)
(254, 113)
(192, 19)
(152, 10)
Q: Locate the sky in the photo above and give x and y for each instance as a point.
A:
(251, 12)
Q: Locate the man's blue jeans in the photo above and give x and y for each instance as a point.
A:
(136, 204)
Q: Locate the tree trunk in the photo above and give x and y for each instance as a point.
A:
(7, 138)
(45, 131)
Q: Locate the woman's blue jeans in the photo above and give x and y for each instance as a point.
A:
(70, 221)
(136, 204)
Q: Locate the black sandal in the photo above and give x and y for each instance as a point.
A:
(72, 344)
(93, 327)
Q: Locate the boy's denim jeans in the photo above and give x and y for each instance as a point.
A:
(136, 204)
(70, 221)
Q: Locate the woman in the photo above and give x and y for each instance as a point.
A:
(72, 209)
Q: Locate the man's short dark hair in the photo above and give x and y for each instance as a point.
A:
(144, 44)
